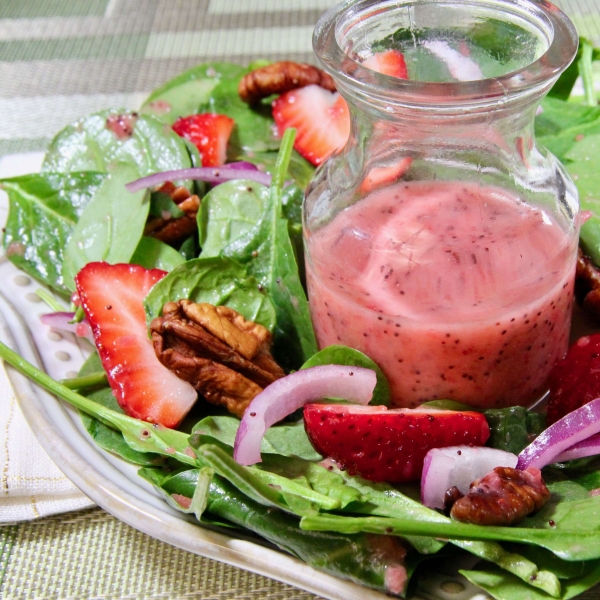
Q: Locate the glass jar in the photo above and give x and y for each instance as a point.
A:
(441, 241)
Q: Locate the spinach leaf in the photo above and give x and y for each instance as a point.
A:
(227, 214)
(87, 145)
(265, 249)
(343, 355)
(504, 586)
(217, 281)
(285, 439)
(44, 210)
(154, 254)
(254, 131)
(110, 227)
(511, 429)
(185, 94)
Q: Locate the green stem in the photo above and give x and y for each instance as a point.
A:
(283, 160)
(50, 300)
(140, 435)
(569, 545)
(586, 72)
(85, 381)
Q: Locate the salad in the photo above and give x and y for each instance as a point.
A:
(186, 215)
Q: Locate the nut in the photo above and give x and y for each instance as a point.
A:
(225, 357)
(281, 77)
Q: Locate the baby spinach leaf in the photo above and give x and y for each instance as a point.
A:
(254, 130)
(110, 227)
(217, 281)
(227, 214)
(504, 586)
(185, 94)
(285, 439)
(44, 210)
(343, 355)
(154, 254)
(511, 429)
(87, 145)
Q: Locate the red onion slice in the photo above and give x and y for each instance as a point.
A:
(587, 447)
(62, 320)
(458, 466)
(566, 432)
(282, 397)
(208, 174)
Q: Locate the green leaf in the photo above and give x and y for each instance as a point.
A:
(579, 543)
(218, 281)
(185, 94)
(154, 254)
(87, 145)
(254, 130)
(110, 227)
(512, 429)
(44, 210)
(285, 439)
(504, 586)
(227, 214)
(343, 355)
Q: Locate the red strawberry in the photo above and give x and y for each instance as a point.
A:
(321, 118)
(388, 62)
(112, 298)
(575, 380)
(388, 445)
(379, 176)
(209, 133)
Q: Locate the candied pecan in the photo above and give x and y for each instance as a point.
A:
(174, 231)
(225, 357)
(587, 284)
(502, 497)
(450, 498)
(281, 77)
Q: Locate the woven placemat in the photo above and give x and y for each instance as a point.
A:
(62, 59)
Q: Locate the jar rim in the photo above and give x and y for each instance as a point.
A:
(540, 74)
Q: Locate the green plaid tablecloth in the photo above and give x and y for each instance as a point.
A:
(62, 59)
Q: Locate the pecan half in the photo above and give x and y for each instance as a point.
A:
(174, 231)
(587, 284)
(281, 77)
(502, 497)
(225, 357)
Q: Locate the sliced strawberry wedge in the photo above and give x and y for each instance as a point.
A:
(321, 118)
(388, 62)
(388, 445)
(112, 297)
(209, 133)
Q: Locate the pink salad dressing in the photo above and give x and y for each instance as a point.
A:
(456, 291)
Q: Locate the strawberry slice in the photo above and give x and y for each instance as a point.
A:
(112, 297)
(388, 62)
(388, 445)
(209, 133)
(321, 118)
(575, 380)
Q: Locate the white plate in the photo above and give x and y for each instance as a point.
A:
(114, 484)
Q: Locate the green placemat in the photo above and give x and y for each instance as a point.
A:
(90, 554)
